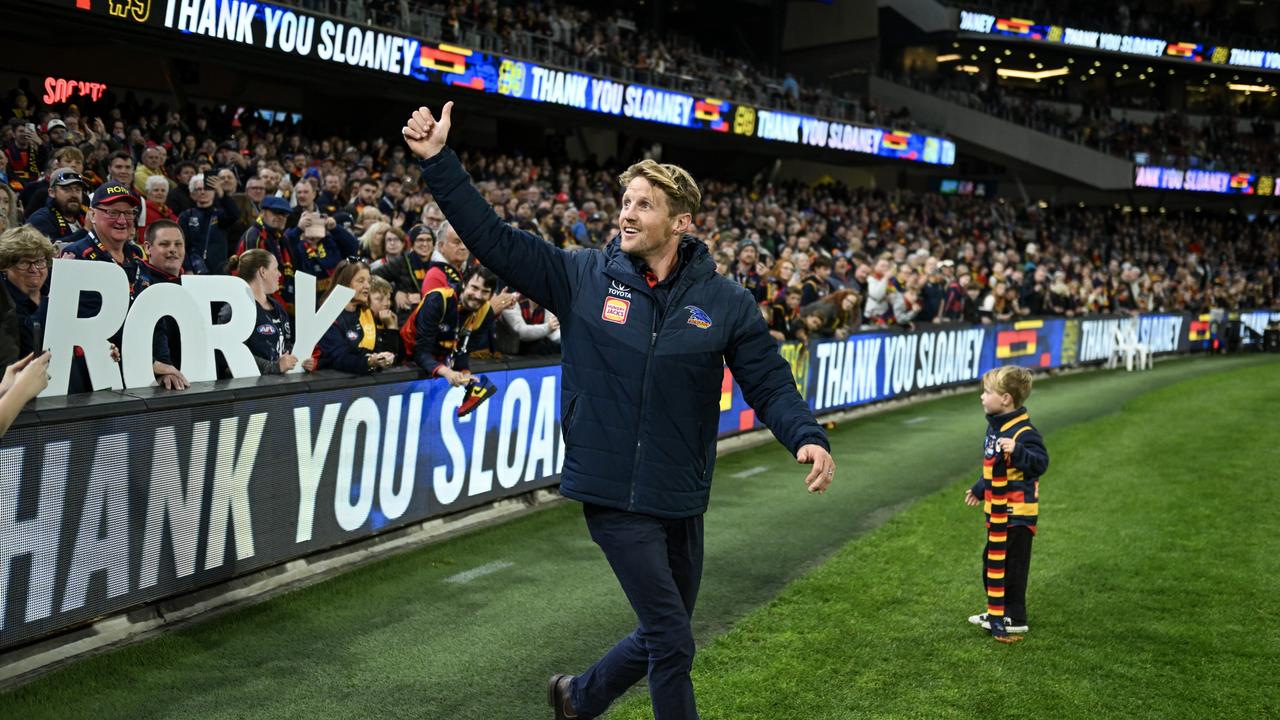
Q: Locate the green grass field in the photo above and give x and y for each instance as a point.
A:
(1153, 588)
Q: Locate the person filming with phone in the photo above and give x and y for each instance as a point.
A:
(317, 245)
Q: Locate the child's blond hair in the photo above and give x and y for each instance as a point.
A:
(1011, 379)
(379, 286)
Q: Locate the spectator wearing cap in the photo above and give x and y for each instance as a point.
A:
(268, 233)
(36, 194)
(111, 238)
(154, 204)
(61, 219)
(59, 135)
(206, 225)
(112, 234)
(595, 230)
(152, 166)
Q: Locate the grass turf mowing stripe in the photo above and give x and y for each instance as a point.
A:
(1153, 588)
(392, 640)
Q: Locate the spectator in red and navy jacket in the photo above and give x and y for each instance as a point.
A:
(350, 344)
(439, 334)
(448, 262)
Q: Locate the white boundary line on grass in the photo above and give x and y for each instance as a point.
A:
(478, 572)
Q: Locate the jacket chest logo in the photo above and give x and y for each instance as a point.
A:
(698, 317)
(617, 289)
(615, 310)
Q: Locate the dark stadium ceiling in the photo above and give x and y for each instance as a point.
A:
(1131, 81)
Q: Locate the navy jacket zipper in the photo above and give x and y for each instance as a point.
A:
(676, 292)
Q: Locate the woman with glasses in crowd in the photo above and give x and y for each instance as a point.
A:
(25, 258)
(405, 267)
(351, 343)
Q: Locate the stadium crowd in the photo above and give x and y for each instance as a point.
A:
(608, 41)
(162, 194)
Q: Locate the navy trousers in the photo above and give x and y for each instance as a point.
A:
(658, 563)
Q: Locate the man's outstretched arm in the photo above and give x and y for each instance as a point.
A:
(533, 266)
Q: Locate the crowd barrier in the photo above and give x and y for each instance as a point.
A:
(121, 498)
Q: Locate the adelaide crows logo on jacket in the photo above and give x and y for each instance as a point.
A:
(697, 317)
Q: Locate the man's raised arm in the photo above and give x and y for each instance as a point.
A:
(533, 266)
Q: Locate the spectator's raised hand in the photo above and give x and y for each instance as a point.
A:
(426, 136)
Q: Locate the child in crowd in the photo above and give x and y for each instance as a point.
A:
(1014, 458)
(380, 303)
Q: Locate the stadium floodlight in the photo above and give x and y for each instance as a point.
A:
(1031, 75)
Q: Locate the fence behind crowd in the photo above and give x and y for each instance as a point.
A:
(133, 498)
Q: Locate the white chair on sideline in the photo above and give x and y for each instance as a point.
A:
(1125, 342)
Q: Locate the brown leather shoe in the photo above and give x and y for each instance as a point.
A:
(558, 696)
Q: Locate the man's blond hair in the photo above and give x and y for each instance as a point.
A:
(1011, 379)
(674, 181)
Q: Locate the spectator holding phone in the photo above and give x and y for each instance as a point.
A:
(206, 225)
(318, 245)
(24, 156)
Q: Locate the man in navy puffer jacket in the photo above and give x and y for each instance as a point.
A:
(646, 328)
